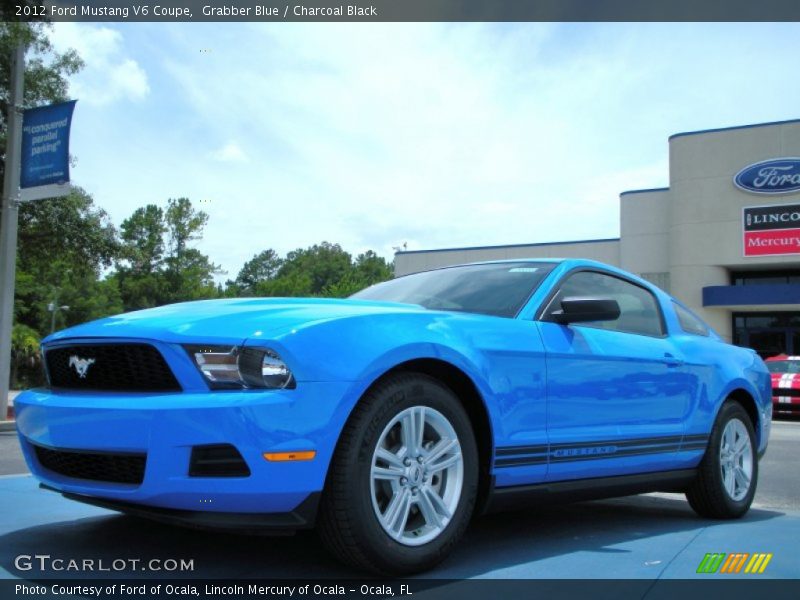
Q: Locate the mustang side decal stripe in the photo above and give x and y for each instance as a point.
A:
(521, 461)
(513, 450)
(518, 456)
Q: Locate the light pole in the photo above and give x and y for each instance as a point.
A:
(54, 308)
(8, 226)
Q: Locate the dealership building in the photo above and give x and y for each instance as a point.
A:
(724, 237)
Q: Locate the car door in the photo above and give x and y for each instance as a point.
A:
(617, 392)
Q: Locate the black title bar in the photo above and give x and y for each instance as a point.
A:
(731, 588)
(401, 10)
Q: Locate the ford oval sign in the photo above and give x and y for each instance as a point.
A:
(775, 176)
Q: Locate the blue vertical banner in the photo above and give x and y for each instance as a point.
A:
(45, 145)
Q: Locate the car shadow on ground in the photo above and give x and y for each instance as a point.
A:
(494, 543)
(590, 529)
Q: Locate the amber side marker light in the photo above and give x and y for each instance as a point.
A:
(287, 456)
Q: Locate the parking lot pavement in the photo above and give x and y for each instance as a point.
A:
(647, 537)
(656, 536)
(11, 461)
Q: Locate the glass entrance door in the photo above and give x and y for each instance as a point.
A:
(768, 333)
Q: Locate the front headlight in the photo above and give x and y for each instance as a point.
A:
(262, 367)
(232, 367)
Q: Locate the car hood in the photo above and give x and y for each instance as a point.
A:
(228, 320)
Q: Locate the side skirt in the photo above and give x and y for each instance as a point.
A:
(576, 490)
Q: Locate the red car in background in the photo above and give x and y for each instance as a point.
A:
(785, 372)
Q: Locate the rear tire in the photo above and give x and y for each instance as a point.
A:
(728, 474)
(399, 496)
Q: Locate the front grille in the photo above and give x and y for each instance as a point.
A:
(790, 392)
(217, 460)
(110, 367)
(96, 466)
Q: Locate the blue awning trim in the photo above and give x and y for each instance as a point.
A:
(733, 295)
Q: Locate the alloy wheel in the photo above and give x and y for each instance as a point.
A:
(736, 459)
(416, 476)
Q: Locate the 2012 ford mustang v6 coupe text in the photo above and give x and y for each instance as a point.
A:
(390, 418)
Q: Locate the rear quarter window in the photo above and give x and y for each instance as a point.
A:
(689, 322)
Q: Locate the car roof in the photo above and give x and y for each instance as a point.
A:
(509, 260)
(781, 357)
(567, 263)
(574, 262)
(562, 263)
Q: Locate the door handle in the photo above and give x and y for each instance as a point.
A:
(673, 361)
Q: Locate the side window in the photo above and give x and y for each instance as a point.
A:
(689, 322)
(639, 310)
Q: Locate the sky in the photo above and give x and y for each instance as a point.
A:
(430, 135)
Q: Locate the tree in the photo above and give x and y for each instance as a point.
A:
(295, 283)
(140, 265)
(156, 264)
(189, 273)
(70, 228)
(46, 71)
(372, 268)
(184, 224)
(24, 354)
(191, 276)
(367, 269)
(142, 236)
(346, 286)
(92, 299)
(323, 264)
(64, 246)
(320, 270)
(262, 267)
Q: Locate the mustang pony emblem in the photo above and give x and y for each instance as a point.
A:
(81, 365)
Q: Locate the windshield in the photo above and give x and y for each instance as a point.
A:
(784, 366)
(498, 289)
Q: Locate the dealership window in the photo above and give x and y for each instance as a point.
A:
(765, 277)
(639, 312)
(768, 333)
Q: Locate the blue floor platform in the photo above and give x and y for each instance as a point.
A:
(646, 537)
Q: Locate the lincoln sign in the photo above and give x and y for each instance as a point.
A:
(772, 230)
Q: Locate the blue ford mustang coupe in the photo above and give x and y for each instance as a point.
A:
(387, 420)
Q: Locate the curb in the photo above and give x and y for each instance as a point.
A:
(8, 426)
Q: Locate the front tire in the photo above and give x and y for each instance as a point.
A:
(404, 478)
(728, 474)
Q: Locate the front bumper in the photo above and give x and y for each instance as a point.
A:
(302, 517)
(167, 426)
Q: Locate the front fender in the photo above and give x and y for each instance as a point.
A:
(429, 351)
(504, 359)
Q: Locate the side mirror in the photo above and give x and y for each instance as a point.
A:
(582, 310)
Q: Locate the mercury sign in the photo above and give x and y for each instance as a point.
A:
(775, 176)
(771, 230)
(45, 145)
